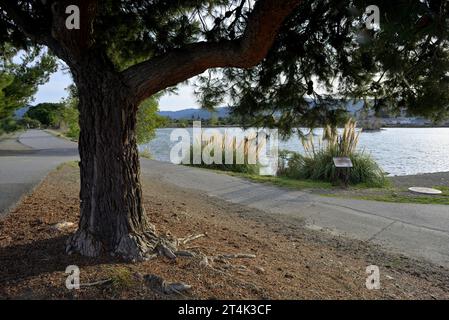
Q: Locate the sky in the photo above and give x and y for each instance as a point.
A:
(54, 91)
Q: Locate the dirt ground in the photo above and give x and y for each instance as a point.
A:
(282, 261)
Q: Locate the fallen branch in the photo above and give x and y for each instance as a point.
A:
(238, 256)
(164, 250)
(190, 238)
(183, 253)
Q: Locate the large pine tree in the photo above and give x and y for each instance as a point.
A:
(125, 52)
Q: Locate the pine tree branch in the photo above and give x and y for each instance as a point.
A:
(31, 28)
(28, 26)
(156, 74)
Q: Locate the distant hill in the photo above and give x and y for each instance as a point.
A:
(195, 114)
(223, 112)
(21, 112)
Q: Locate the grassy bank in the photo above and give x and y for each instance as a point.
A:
(281, 181)
(359, 191)
(60, 134)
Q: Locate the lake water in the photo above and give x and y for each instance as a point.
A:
(399, 151)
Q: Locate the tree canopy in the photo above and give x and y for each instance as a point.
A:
(178, 38)
(323, 44)
(325, 56)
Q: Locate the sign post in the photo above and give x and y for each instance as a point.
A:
(343, 166)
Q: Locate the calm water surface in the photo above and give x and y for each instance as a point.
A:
(399, 151)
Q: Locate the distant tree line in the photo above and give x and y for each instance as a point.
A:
(232, 120)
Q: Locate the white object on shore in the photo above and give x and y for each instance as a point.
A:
(421, 190)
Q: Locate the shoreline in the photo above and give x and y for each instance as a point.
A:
(430, 179)
(423, 180)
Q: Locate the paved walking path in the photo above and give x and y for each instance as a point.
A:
(25, 159)
(416, 230)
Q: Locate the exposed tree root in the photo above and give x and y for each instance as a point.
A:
(142, 247)
(185, 254)
(135, 247)
(85, 244)
(132, 247)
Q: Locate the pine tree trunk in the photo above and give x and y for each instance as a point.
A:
(113, 220)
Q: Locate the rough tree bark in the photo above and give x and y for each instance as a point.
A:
(112, 216)
(113, 219)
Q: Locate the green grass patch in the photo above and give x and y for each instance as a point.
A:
(327, 189)
(444, 189)
(60, 134)
(72, 164)
(404, 199)
(400, 196)
(284, 181)
(291, 183)
(121, 277)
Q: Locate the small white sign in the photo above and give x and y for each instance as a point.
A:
(342, 162)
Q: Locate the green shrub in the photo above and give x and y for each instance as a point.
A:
(10, 124)
(147, 118)
(317, 163)
(69, 117)
(321, 168)
(48, 114)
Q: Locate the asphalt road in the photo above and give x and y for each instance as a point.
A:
(416, 230)
(26, 159)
